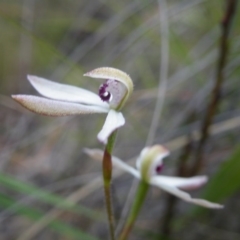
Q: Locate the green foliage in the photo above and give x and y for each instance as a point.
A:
(33, 214)
(224, 184)
(226, 181)
(41, 195)
(66, 39)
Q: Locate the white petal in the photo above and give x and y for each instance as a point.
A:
(113, 121)
(65, 92)
(97, 154)
(186, 197)
(183, 183)
(54, 108)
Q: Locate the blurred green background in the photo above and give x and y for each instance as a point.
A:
(48, 188)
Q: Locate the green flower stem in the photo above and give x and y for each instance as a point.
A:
(140, 196)
(107, 176)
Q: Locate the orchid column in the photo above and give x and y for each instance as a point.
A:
(64, 100)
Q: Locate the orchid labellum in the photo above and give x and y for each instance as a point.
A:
(62, 100)
(148, 168)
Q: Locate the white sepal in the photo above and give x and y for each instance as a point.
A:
(180, 182)
(55, 108)
(186, 197)
(125, 167)
(97, 154)
(65, 92)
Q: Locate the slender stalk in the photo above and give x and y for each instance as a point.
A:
(107, 176)
(164, 65)
(183, 170)
(231, 6)
(140, 196)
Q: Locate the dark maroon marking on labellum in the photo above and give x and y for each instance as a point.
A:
(159, 169)
(104, 95)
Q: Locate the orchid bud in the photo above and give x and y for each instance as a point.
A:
(150, 161)
(116, 89)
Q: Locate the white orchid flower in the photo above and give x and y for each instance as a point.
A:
(63, 100)
(148, 167)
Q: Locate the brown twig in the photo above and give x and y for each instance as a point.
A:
(215, 96)
(182, 169)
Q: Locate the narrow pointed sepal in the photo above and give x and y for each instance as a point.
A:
(64, 92)
(186, 197)
(55, 108)
(97, 154)
(180, 182)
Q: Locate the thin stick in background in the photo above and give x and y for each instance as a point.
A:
(216, 92)
(210, 113)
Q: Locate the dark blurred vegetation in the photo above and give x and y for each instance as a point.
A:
(49, 188)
